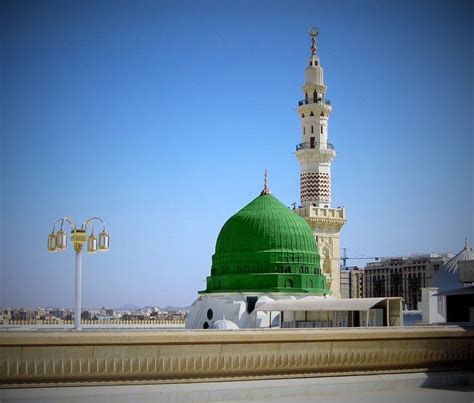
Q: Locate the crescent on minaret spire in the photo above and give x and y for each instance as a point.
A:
(313, 33)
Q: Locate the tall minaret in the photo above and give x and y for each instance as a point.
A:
(315, 155)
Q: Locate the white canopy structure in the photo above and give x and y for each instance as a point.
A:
(307, 307)
(323, 304)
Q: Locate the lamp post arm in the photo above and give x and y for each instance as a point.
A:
(84, 224)
(61, 220)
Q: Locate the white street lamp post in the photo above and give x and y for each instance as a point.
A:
(57, 241)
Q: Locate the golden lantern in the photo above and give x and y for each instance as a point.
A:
(61, 240)
(92, 244)
(104, 241)
(52, 243)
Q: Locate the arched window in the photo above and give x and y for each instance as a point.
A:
(302, 115)
(322, 114)
(304, 131)
(310, 284)
(311, 114)
(322, 129)
(315, 96)
(312, 129)
(288, 283)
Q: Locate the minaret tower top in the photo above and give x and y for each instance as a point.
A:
(315, 154)
(314, 78)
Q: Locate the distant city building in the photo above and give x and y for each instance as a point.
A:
(402, 277)
(352, 283)
(345, 277)
(58, 313)
(357, 283)
(20, 314)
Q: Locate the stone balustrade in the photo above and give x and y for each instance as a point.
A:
(98, 357)
(34, 322)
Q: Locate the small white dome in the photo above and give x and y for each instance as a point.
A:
(447, 277)
(223, 324)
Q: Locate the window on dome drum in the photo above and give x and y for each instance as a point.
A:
(209, 314)
(205, 325)
(311, 114)
(251, 301)
(302, 115)
(288, 283)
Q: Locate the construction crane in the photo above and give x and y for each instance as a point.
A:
(345, 258)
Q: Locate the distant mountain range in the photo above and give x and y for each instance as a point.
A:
(133, 307)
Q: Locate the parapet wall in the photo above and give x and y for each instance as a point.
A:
(185, 356)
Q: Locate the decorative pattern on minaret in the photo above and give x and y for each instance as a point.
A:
(315, 187)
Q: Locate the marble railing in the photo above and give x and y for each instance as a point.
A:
(97, 357)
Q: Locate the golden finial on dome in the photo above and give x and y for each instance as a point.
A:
(265, 190)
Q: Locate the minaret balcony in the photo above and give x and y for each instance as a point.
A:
(312, 101)
(317, 145)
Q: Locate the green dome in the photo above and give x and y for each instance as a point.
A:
(266, 247)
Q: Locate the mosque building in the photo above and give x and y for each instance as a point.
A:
(267, 253)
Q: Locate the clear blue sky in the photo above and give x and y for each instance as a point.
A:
(160, 117)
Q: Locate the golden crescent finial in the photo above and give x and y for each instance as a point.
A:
(266, 190)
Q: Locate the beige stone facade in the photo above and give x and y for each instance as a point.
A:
(326, 224)
(187, 356)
